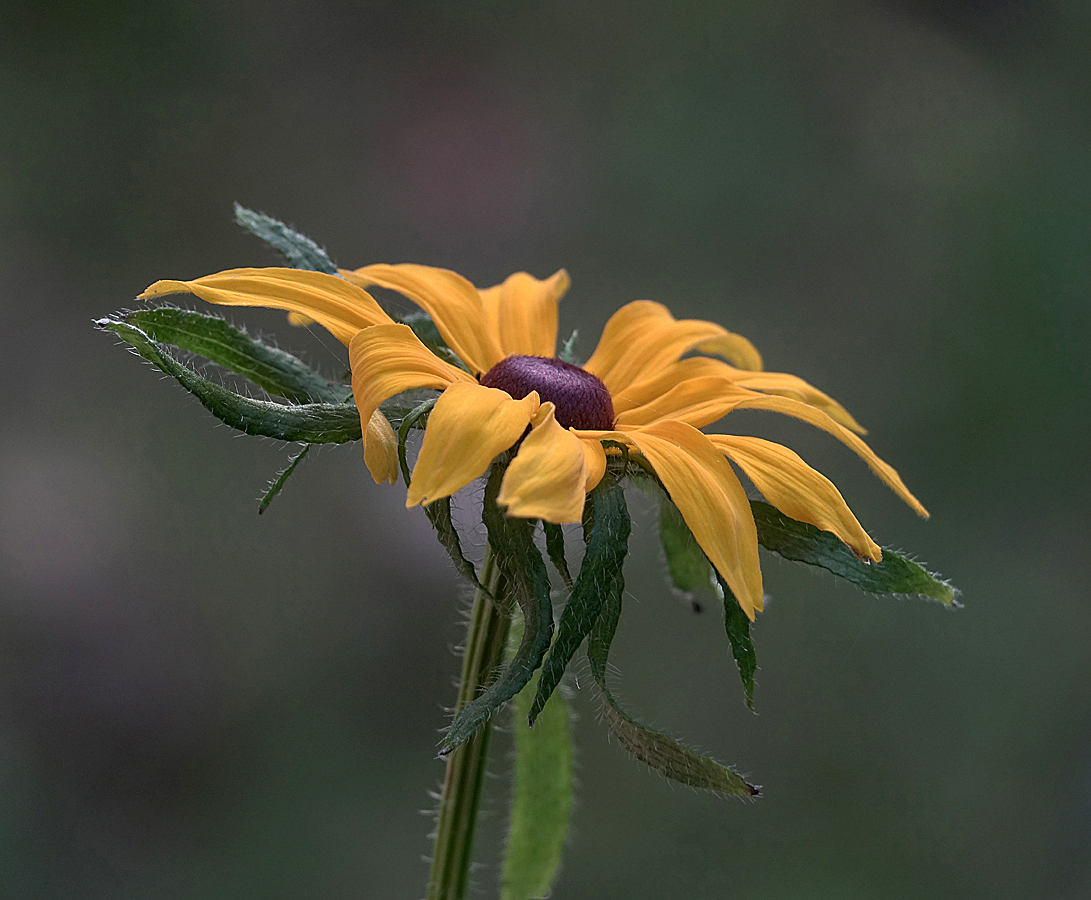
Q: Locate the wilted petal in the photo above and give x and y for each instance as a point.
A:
(453, 303)
(643, 336)
(342, 308)
(388, 359)
(468, 428)
(547, 479)
(522, 313)
(797, 490)
(707, 492)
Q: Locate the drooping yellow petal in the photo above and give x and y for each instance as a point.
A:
(547, 479)
(469, 426)
(522, 313)
(381, 449)
(388, 359)
(340, 307)
(453, 303)
(797, 490)
(819, 419)
(696, 401)
(784, 385)
(707, 492)
(596, 460)
(643, 336)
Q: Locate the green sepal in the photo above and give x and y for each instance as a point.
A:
(554, 538)
(568, 349)
(689, 567)
(742, 645)
(307, 423)
(607, 547)
(660, 752)
(801, 542)
(438, 511)
(216, 339)
(542, 796)
(282, 477)
(300, 251)
(527, 582)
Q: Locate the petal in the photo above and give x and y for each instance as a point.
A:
(643, 336)
(453, 303)
(388, 359)
(381, 449)
(784, 385)
(797, 490)
(547, 478)
(655, 384)
(522, 313)
(468, 428)
(713, 503)
(819, 419)
(647, 391)
(338, 306)
(697, 402)
(596, 460)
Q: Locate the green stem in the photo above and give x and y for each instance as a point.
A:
(486, 645)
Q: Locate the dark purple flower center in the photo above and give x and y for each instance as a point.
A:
(582, 400)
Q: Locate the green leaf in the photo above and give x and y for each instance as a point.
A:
(607, 546)
(282, 477)
(300, 251)
(689, 567)
(662, 753)
(542, 799)
(801, 542)
(527, 582)
(219, 341)
(309, 423)
(742, 646)
(554, 536)
(439, 511)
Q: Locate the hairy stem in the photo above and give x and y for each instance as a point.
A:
(486, 644)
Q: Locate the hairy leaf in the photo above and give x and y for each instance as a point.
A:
(219, 341)
(689, 567)
(282, 477)
(527, 582)
(662, 753)
(554, 536)
(801, 542)
(542, 798)
(742, 645)
(308, 423)
(300, 251)
(438, 511)
(607, 547)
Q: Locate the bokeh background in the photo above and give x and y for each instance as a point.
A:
(891, 199)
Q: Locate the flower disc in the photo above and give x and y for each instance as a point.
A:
(582, 400)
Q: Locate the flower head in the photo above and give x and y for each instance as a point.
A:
(639, 390)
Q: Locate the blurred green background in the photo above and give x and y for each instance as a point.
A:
(891, 199)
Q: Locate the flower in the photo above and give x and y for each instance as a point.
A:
(638, 389)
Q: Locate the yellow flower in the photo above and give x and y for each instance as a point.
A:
(638, 389)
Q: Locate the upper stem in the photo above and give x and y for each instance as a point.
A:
(486, 645)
